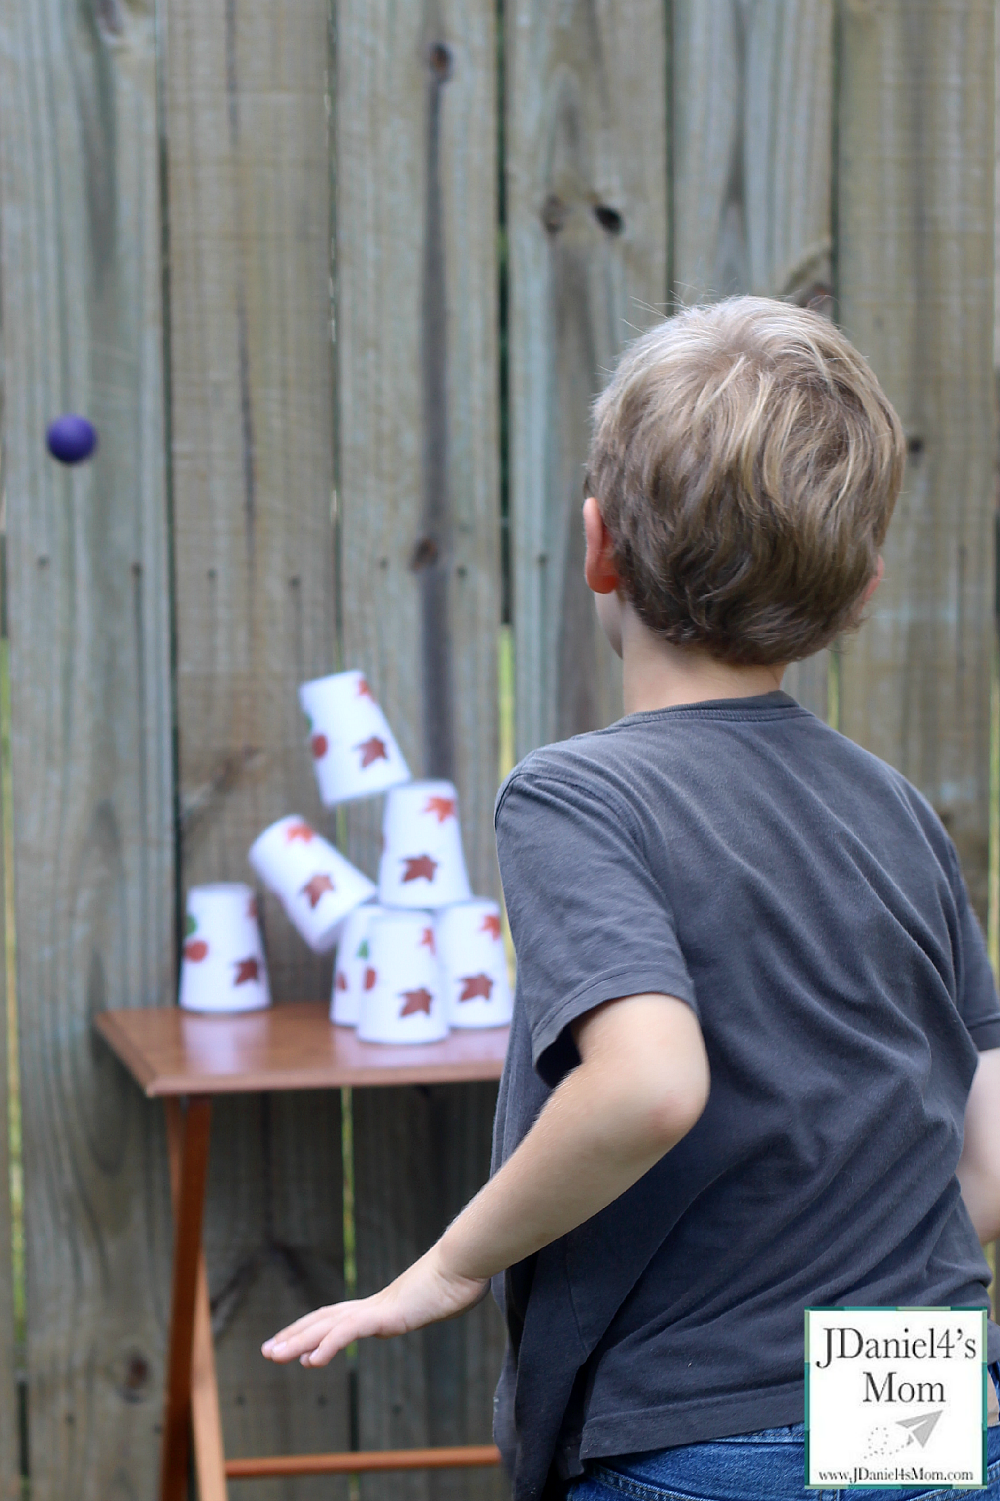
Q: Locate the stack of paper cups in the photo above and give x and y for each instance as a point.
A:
(473, 964)
(354, 751)
(422, 861)
(352, 965)
(316, 885)
(223, 968)
(401, 1000)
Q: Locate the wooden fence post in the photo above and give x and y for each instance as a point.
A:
(89, 643)
(252, 404)
(915, 257)
(587, 169)
(416, 276)
(752, 170)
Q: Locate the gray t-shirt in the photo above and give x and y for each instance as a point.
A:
(807, 903)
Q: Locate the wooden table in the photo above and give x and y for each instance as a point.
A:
(173, 1055)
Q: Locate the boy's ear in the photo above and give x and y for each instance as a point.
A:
(873, 582)
(598, 567)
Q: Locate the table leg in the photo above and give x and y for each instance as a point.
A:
(187, 1137)
(206, 1418)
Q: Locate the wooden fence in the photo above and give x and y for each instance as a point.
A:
(336, 281)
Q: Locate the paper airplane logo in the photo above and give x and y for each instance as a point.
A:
(920, 1427)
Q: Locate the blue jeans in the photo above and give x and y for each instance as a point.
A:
(764, 1466)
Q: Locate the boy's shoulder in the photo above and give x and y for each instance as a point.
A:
(591, 759)
(609, 763)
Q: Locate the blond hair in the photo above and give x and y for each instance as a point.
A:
(746, 463)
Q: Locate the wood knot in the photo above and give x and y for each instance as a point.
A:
(136, 1377)
(554, 213)
(110, 17)
(424, 554)
(609, 218)
(440, 61)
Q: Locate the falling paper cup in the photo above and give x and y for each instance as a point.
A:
(401, 999)
(473, 964)
(353, 749)
(317, 886)
(352, 964)
(422, 861)
(222, 968)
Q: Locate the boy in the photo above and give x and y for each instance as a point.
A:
(751, 991)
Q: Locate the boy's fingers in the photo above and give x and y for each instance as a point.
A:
(343, 1322)
(291, 1342)
(328, 1348)
(291, 1330)
(341, 1333)
(350, 1321)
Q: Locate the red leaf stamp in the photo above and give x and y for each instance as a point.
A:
(372, 750)
(341, 980)
(316, 888)
(476, 985)
(442, 807)
(300, 831)
(364, 691)
(196, 950)
(370, 978)
(427, 940)
(416, 1000)
(419, 868)
(319, 745)
(491, 925)
(246, 970)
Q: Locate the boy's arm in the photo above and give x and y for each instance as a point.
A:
(641, 1085)
(979, 1164)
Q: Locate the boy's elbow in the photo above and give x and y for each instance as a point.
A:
(981, 1195)
(676, 1106)
(644, 1072)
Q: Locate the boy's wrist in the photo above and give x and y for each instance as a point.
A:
(451, 1259)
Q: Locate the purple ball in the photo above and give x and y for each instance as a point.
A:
(71, 439)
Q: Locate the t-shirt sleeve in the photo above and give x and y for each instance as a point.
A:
(588, 920)
(978, 1004)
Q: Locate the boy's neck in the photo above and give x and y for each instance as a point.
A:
(658, 675)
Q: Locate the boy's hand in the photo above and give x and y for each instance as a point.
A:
(426, 1292)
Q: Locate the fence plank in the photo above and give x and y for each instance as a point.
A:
(249, 194)
(587, 222)
(752, 170)
(915, 288)
(89, 629)
(417, 372)
(10, 1484)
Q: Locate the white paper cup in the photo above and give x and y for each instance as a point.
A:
(317, 886)
(401, 998)
(473, 964)
(222, 965)
(422, 862)
(352, 963)
(353, 749)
